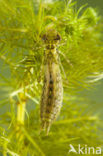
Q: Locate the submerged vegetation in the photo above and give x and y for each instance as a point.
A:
(22, 24)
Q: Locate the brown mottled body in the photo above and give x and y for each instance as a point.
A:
(52, 94)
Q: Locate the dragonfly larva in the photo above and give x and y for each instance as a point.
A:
(52, 93)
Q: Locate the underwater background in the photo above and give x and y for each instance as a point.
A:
(93, 98)
(95, 95)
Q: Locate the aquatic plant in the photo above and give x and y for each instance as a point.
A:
(22, 25)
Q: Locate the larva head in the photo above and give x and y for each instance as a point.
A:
(51, 37)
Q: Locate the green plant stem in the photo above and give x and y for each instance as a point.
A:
(33, 142)
(21, 112)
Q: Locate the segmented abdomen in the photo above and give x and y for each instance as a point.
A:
(52, 95)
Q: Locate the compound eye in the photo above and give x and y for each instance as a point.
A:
(57, 37)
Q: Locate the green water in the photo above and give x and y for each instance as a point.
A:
(94, 96)
(94, 3)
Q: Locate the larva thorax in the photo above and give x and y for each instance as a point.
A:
(52, 93)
